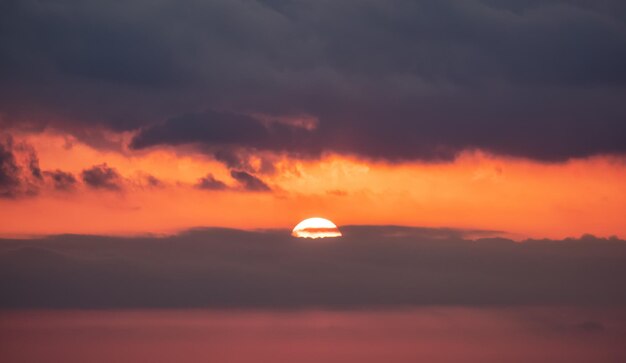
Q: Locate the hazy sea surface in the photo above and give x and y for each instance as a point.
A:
(436, 334)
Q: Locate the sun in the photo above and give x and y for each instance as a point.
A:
(316, 228)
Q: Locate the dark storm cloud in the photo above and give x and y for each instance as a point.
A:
(385, 79)
(368, 267)
(240, 159)
(32, 161)
(232, 159)
(230, 133)
(9, 171)
(153, 181)
(249, 182)
(212, 127)
(102, 177)
(61, 180)
(209, 182)
(20, 174)
(245, 182)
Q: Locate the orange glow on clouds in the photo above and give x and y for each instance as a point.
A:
(477, 191)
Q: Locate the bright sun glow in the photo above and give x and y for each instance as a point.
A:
(316, 228)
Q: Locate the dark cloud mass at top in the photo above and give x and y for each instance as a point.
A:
(371, 266)
(385, 79)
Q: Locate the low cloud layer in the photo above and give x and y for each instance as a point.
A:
(393, 80)
(374, 266)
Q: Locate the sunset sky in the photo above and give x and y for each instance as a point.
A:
(153, 117)
(166, 189)
(156, 154)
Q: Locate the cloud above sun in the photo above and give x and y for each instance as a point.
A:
(390, 80)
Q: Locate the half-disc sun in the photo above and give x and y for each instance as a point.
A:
(316, 228)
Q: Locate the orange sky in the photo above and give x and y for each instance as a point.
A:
(477, 191)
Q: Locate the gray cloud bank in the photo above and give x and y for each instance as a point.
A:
(385, 79)
(371, 266)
